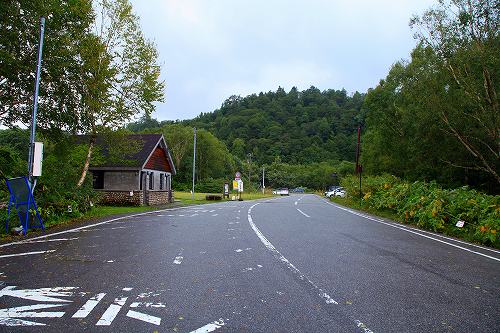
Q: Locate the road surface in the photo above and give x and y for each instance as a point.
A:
(288, 264)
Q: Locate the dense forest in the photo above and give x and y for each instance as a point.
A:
(298, 127)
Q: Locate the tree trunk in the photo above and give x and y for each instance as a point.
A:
(87, 162)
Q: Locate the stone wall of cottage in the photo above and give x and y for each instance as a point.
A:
(136, 198)
(120, 198)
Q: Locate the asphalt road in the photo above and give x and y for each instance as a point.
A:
(290, 264)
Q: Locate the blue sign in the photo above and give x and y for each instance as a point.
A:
(22, 198)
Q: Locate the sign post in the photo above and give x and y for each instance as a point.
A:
(31, 157)
(238, 184)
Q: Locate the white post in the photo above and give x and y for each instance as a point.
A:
(194, 161)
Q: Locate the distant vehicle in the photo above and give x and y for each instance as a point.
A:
(337, 192)
(331, 189)
(298, 190)
(281, 191)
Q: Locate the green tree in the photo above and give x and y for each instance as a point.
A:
(123, 80)
(464, 35)
(66, 36)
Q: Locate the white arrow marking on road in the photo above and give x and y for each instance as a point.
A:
(18, 322)
(25, 254)
(39, 295)
(88, 306)
(110, 314)
(8, 316)
(22, 311)
(210, 327)
(144, 317)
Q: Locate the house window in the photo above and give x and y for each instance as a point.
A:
(151, 181)
(162, 180)
(98, 180)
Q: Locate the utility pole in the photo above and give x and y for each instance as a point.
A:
(263, 182)
(249, 167)
(194, 161)
(359, 168)
(35, 105)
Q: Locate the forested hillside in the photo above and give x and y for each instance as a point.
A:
(297, 127)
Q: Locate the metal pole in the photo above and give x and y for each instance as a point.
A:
(263, 182)
(194, 161)
(358, 165)
(35, 104)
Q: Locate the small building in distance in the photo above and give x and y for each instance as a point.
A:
(133, 169)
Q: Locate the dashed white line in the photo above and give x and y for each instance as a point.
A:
(178, 259)
(301, 212)
(85, 310)
(25, 254)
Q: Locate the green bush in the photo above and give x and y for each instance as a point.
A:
(431, 207)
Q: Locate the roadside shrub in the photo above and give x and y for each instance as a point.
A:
(431, 207)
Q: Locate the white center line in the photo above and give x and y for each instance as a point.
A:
(25, 254)
(88, 306)
(303, 213)
(110, 314)
(281, 258)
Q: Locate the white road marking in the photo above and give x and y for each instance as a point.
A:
(144, 317)
(215, 214)
(147, 305)
(181, 215)
(85, 310)
(193, 215)
(240, 250)
(178, 259)
(362, 327)
(110, 314)
(110, 261)
(18, 322)
(127, 289)
(93, 225)
(39, 295)
(290, 266)
(414, 232)
(8, 316)
(210, 327)
(296, 203)
(301, 212)
(50, 240)
(25, 254)
(160, 215)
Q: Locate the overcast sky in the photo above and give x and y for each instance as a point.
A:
(212, 49)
